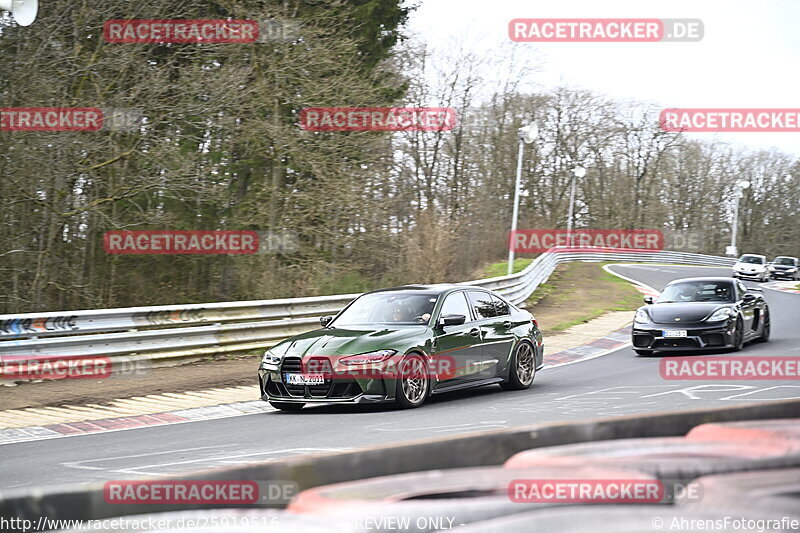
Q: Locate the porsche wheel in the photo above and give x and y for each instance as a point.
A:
(738, 336)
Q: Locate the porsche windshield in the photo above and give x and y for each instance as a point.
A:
(395, 308)
(697, 291)
(787, 261)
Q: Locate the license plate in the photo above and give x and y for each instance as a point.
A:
(304, 379)
(674, 332)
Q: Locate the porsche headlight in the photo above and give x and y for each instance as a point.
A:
(368, 358)
(720, 314)
(641, 316)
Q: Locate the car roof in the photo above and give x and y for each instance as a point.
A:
(715, 279)
(437, 288)
(754, 255)
(785, 257)
(422, 289)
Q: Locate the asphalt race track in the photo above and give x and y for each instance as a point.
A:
(616, 384)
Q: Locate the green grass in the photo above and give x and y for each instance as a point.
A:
(631, 299)
(501, 269)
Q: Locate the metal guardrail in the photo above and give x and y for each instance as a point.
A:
(164, 333)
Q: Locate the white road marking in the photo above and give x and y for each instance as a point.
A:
(138, 470)
(79, 465)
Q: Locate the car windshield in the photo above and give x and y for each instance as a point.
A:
(752, 259)
(395, 308)
(784, 261)
(697, 291)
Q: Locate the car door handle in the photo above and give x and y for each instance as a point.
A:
(475, 332)
(507, 324)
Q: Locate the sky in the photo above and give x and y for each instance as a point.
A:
(749, 56)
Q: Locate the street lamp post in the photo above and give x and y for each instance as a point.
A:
(24, 11)
(577, 172)
(527, 134)
(737, 193)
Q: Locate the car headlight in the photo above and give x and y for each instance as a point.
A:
(790, 270)
(270, 358)
(720, 314)
(771, 268)
(641, 316)
(368, 358)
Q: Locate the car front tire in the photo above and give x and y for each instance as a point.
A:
(765, 328)
(738, 336)
(412, 385)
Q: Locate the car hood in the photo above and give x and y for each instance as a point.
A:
(749, 266)
(688, 312)
(351, 341)
(783, 267)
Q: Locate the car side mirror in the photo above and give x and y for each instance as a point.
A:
(325, 320)
(452, 320)
(648, 299)
(749, 297)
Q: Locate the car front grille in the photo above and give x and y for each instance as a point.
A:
(676, 342)
(713, 339)
(642, 340)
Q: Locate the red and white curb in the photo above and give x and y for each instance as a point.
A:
(88, 427)
(784, 286)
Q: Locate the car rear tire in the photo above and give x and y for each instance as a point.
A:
(412, 385)
(522, 368)
(644, 352)
(287, 406)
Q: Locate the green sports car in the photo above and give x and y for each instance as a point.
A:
(402, 345)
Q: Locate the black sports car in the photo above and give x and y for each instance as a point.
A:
(696, 314)
(402, 345)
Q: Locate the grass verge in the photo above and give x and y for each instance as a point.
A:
(501, 269)
(577, 293)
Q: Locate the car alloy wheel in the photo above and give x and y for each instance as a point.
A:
(523, 368)
(412, 383)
